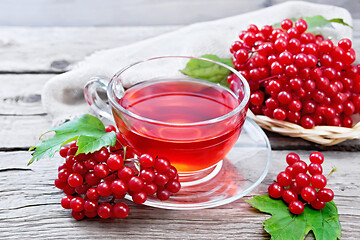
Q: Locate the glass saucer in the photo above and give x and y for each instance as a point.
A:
(240, 172)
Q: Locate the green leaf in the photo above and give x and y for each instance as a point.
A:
(87, 128)
(339, 20)
(284, 225)
(316, 22)
(208, 70)
(89, 144)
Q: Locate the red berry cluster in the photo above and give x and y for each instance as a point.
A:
(296, 76)
(94, 183)
(296, 187)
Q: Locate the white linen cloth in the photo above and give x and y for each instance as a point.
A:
(62, 96)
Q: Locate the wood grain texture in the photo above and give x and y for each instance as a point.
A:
(29, 206)
(58, 49)
(55, 50)
(120, 12)
(352, 6)
(20, 94)
(21, 113)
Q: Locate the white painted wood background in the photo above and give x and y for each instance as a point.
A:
(41, 38)
(134, 12)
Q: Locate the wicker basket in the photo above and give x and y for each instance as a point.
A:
(324, 135)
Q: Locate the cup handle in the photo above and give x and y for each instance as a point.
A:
(92, 97)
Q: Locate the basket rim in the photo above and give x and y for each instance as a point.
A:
(323, 135)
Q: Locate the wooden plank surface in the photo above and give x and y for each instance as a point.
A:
(58, 49)
(135, 12)
(55, 50)
(120, 12)
(29, 203)
(22, 112)
(30, 208)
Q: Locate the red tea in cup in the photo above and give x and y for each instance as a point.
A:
(191, 121)
(166, 113)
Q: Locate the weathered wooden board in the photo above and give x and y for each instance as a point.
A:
(22, 132)
(29, 203)
(22, 114)
(352, 6)
(58, 49)
(134, 13)
(20, 94)
(121, 12)
(29, 206)
(55, 50)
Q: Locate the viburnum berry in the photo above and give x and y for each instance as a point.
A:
(65, 201)
(315, 168)
(75, 180)
(60, 184)
(101, 170)
(317, 204)
(121, 210)
(163, 194)
(139, 197)
(90, 205)
(300, 71)
(115, 162)
(110, 128)
(77, 215)
(275, 190)
(162, 165)
(77, 204)
(325, 195)
(316, 157)
(296, 207)
(318, 181)
(136, 184)
(102, 155)
(125, 173)
(104, 210)
(291, 158)
(148, 175)
(299, 167)
(309, 193)
(284, 179)
(64, 151)
(92, 194)
(92, 179)
(150, 188)
(289, 196)
(104, 189)
(102, 178)
(300, 185)
(146, 161)
(302, 180)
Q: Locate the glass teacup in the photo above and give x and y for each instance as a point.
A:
(162, 112)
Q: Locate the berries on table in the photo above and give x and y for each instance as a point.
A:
(296, 76)
(275, 190)
(96, 183)
(301, 184)
(296, 207)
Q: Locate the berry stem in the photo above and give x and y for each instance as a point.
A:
(334, 169)
(268, 78)
(124, 148)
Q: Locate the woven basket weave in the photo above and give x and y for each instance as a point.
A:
(324, 135)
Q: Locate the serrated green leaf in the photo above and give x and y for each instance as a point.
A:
(316, 22)
(89, 144)
(283, 225)
(339, 20)
(209, 71)
(85, 126)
